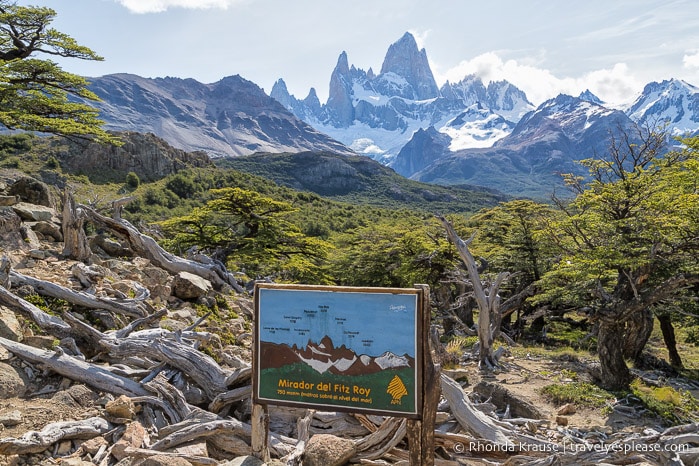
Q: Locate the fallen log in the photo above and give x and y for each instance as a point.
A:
(127, 307)
(76, 369)
(50, 324)
(147, 247)
(36, 442)
(199, 367)
(471, 419)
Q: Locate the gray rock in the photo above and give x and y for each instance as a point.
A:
(8, 200)
(48, 229)
(32, 191)
(190, 286)
(34, 212)
(11, 419)
(328, 450)
(11, 382)
(9, 325)
(163, 460)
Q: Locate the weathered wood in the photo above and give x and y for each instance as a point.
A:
(259, 432)
(231, 396)
(140, 453)
(489, 315)
(376, 444)
(75, 243)
(279, 444)
(471, 419)
(201, 368)
(50, 324)
(128, 307)
(420, 432)
(76, 369)
(302, 436)
(147, 247)
(36, 442)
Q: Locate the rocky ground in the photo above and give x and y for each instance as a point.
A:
(135, 429)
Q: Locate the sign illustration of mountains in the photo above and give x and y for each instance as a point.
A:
(339, 347)
(324, 357)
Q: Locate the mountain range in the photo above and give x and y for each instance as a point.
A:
(467, 132)
(324, 357)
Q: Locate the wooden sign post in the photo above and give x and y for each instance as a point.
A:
(361, 350)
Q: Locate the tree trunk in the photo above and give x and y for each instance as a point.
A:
(670, 342)
(75, 244)
(638, 330)
(615, 374)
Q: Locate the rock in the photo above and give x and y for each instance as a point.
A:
(502, 397)
(328, 450)
(134, 436)
(561, 420)
(566, 409)
(164, 460)
(40, 341)
(33, 212)
(11, 382)
(244, 461)
(111, 247)
(9, 222)
(190, 286)
(121, 408)
(48, 229)
(93, 445)
(11, 419)
(9, 325)
(32, 191)
(8, 200)
(30, 238)
(74, 461)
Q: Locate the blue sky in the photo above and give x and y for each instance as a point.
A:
(613, 47)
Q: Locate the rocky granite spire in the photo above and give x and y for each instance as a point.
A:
(339, 106)
(405, 60)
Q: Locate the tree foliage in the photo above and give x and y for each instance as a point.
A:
(249, 232)
(628, 241)
(36, 94)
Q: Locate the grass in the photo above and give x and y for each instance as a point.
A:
(579, 393)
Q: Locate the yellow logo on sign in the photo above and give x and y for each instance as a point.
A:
(396, 388)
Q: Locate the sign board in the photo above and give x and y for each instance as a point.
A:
(339, 348)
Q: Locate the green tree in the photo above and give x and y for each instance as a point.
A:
(629, 241)
(249, 232)
(35, 94)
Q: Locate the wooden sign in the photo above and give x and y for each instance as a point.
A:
(339, 348)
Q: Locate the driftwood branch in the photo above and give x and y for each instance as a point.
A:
(76, 369)
(128, 307)
(147, 247)
(36, 442)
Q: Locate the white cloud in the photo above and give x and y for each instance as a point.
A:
(614, 86)
(158, 6)
(691, 61)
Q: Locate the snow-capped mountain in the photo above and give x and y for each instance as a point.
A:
(674, 103)
(527, 162)
(324, 357)
(376, 115)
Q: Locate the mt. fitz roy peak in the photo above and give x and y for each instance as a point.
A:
(376, 115)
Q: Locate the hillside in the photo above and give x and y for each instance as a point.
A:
(361, 180)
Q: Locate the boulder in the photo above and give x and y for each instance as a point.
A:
(9, 222)
(32, 191)
(11, 382)
(48, 229)
(8, 200)
(189, 286)
(9, 325)
(33, 212)
(328, 450)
